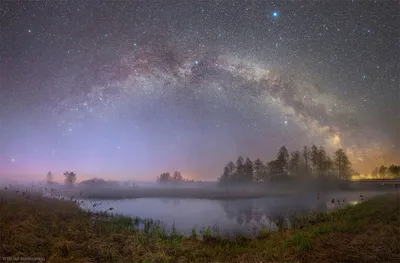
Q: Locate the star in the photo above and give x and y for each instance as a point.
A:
(170, 87)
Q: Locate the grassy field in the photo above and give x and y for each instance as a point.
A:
(33, 226)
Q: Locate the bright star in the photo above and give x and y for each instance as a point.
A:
(29, 31)
(196, 62)
(275, 14)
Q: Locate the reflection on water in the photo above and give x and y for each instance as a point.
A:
(174, 201)
(231, 216)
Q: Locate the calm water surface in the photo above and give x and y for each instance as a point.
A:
(230, 216)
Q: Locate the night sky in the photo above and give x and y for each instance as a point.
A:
(128, 90)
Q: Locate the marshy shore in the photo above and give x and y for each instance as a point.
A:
(58, 230)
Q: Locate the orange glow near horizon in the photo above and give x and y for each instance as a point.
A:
(369, 176)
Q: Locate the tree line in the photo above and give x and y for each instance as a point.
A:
(176, 177)
(393, 171)
(69, 178)
(312, 161)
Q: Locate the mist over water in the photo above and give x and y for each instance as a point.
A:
(246, 216)
(186, 207)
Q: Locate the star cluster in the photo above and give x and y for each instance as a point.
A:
(132, 89)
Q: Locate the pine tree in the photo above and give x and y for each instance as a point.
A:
(248, 170)
(328, 165)
(240, 169)
(294, 162)
(342, 164)
(314, 159)
(164, 177)
(282, 162)
(273, 170)
(232, 170)
(224, 179)
(322, 161)
(306, 159)
(259, 170)
(382, 171)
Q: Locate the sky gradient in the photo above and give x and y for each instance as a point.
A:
(131, 89)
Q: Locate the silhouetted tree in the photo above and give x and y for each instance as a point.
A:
(306, 158)
(328, 165)
(317, 159)
(225, 177)
(314, 159)
(49, 177)
(240, 169)
(232, 169)
(259, 171)
(228, 175)
(324, 162)
(177, 176)
(342, 164)
(282, 162)
(248, 170)
(273, 170)
(394, 170)
(375, 173)
(382, 171)
(98, 182)
(70, 178)
(294, 162)
(164, 177)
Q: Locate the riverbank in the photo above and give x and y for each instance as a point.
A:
(34, 226)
